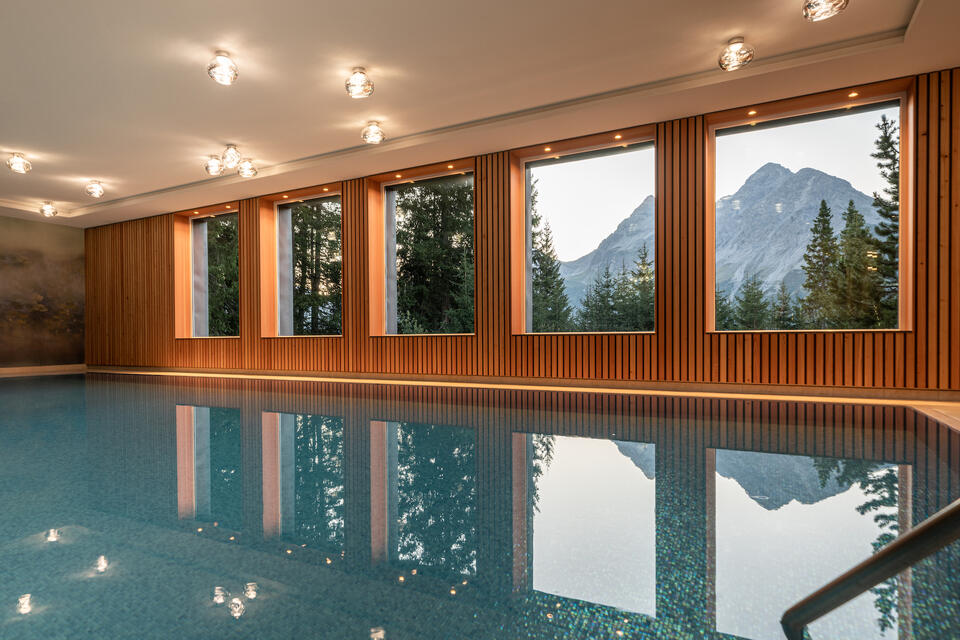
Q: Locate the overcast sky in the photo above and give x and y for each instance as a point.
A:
(585, 200)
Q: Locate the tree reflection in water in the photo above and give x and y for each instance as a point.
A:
(880, 483)
(319, 480)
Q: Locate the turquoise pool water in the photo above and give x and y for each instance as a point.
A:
(379, 511)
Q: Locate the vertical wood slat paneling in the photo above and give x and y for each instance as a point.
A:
(130, 292)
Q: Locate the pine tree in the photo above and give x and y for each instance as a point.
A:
(317, 267)
(887, 205)
(819, 264)
(598, 308)
(724, 319)
(752, 310)
(223, 275)
(854, 286)
(783, 310)
(551, 307)
(633, 295)
(434, 241)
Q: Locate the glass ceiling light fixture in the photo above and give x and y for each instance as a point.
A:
(373, 133)
(213, 165)
(359, 84)
(18, 164)
(817, 10)
(94, 189)
(230, 157)
(47, 210)
(246, 168)
(735, 55)
(222, 69)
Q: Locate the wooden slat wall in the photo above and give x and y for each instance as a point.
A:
(130, 319)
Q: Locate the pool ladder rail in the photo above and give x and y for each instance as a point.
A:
(933, 534)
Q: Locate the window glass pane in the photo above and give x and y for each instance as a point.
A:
(430, 263)
(807, 222)
(216, 276)
(310, 267)
(590, 241)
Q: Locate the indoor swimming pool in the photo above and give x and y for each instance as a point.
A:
(177, 507)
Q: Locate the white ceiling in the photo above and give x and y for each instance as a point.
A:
(117, 90)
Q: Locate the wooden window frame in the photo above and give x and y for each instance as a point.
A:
(902, 89)
(183, 267)
(267, 210)
(519, 158)
(375, 187)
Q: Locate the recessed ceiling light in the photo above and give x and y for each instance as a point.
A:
(398, 176)
(817, 10)
(47, 210)
(18, 164)
(547, 149)
(326, 189)
(617, 137)
(852, 94)
(230, 157)
(94, 189)
(195, 212)
(213, 165)
(222, 69)
(736, 55)
(373, 133)
(449, 166)
(284, 196)
(246, 168)
(752, 112)
(359, 84)
(228, 206)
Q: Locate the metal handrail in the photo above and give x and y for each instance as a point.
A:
(927, 538)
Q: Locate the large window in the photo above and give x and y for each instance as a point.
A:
(216, 275)
(590, 237)
(808, 221)
(430, 255)
(309, 267)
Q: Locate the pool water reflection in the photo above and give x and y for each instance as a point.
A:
(423, 512)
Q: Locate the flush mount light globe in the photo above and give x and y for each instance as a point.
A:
(213, 165)
(94, 189)
(373, 133)
(230, 157)
(246, 168)
(359, 84)
(735, 55)
(817, 10)
(47, 210)
(18, 164)
(222, 69)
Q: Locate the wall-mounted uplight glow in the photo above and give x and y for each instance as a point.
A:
(246, 168)
(94, 189)
(359, 85)
(18, 164)
(817, 10)
(23, 604)
(736, 55)
(222, 69)
(373, 133)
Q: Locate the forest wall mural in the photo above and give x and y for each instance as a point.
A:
(41, 294)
